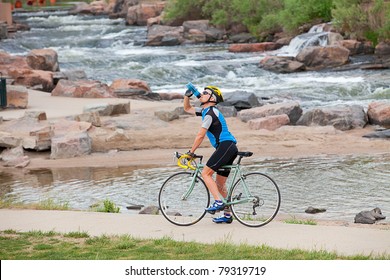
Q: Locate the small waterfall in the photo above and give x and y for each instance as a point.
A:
(315, 37)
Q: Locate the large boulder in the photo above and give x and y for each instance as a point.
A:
(315, 58)
(133, 89)
(379, 113)
(82, 89)
(341, 117)
(240, 100)
(70, 139)
(162, 35)
(280, 64)
(291, 109)
(17, 97)
(139, 14)
(270, 122)
(71, 145)
(383, 49)
(200, 31)
(43, 59)
(357, 47)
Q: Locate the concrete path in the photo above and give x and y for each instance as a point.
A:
(341, 239)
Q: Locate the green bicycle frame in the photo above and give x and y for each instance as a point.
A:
(236, 173)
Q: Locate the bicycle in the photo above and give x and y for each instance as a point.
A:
(254, 198)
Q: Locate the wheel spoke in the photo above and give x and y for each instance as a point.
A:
(179, 204)
(262, 200)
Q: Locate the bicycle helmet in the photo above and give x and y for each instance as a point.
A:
(217, 93)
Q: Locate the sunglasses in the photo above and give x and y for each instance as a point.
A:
(206, 93)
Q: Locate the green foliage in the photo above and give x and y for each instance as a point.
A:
(361, 19)
(299, 12)
(183, 9)
(108, 206)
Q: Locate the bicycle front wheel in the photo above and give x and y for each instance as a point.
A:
(183, 199)
(255, 199)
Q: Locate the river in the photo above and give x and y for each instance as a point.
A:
(108, 49)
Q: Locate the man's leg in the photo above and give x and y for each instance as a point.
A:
(207, 175)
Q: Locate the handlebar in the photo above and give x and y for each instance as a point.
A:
(186, 161)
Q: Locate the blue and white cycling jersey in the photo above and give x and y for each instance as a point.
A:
(214, 122)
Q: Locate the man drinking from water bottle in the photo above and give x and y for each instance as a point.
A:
(215, 127)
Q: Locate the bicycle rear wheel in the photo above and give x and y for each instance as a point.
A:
(179, 204)
(258, 204)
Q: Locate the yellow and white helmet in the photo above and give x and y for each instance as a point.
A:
(217, 93)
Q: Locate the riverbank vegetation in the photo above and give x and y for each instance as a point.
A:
(38, 245)
(356, 19)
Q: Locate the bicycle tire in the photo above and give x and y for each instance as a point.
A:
(177, 210)
(262, 206)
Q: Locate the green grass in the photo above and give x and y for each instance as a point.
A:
(47, 204)
(38, 245)
(296, 221)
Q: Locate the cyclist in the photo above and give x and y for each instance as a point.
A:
(215, 127)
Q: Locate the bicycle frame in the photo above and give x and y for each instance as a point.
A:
(236, 173)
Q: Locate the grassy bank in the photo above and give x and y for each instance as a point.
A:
(37, 245)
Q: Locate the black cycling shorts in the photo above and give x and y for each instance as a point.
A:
(225, 154)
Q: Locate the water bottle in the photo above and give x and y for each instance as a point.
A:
(193, 89)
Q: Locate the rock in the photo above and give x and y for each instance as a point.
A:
(3, 31)
(162, 35)
(35, 115)
(240, 100)
(312, 210)
(91, 117)
(383, 49)
(243, 37)
(279, 64)
(35, 79)
(170, 96)
(379, 113)
(166, 116)
(117, 136)
(106, 109)
(315, 58)
(369, 217)
(254, 47)
(70, 145)
(150, 210)
(134, 207)
(39, 139)
(17, 97)
(139, 14)
(82, 89)
(342, 117)
(43, 59)
(356, 47)
(133, 89)
(103, 109)
(70, 139)
(8, 140)
(227, 111)
(200, 31)
(269, 123)
(120, 108)
(382, 134)
(94, 8)
(292, 109)
(15, 157)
